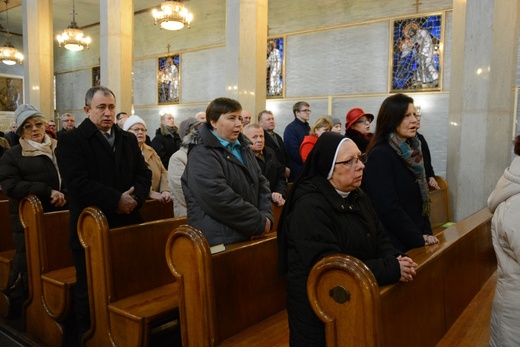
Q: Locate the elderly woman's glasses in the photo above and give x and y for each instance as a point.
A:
(351, 162)
(29, 127)
(138, 130)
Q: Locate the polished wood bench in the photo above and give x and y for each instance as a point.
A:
(345, 296)
(231, 298)
(50, 267)
(50, 271)
(6, 253)
(130, 286)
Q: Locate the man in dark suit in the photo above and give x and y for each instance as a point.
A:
(273, 140)
(100, 165)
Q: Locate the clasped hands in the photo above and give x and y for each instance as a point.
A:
(407, 266)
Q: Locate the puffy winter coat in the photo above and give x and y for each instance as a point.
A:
(504, 201)
(227, 200)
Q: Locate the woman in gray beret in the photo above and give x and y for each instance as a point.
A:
(29, 168)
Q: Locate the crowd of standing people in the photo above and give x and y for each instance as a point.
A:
(359, 193)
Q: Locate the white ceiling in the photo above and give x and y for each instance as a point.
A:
(87, 13)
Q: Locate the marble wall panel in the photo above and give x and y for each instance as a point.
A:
(71, 88)
(349, 60)
(145, 82)
(203, 75)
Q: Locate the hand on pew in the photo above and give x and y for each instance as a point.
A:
(127, 203)
(432, 182)
(57, 198)
(164, 197)
(407, 266)
(430, 240)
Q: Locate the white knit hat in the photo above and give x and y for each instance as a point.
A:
(133, 120)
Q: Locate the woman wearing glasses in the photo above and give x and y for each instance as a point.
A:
(358, 127)
(29, 168)
(395, 177)
(159, 190)
(326, 213)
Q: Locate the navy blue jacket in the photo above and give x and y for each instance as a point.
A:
(396, 197)
(293, 138)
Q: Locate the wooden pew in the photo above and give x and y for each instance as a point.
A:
(51, 272)
(232, 298)
(130, 287)
(416, 313)
(6, 253)
(440, 203)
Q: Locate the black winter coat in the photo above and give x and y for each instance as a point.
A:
(97, 175)
(278, 147)
(165, 144)
(427, 157)
(274, 171)
(396, 197)
(322, 223)
(359, 139)
(23, 175)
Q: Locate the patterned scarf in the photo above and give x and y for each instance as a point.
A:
(411, 154)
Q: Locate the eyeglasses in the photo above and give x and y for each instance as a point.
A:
(351, 162)
(29, 127)
(362, 121)
(408, 115)
(138, 130)
(306, 111)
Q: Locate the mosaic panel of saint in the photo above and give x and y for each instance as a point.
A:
(416, 62)
(168, 79)
(274, 66)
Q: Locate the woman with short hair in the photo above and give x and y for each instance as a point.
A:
(29, 168)
(227, 196)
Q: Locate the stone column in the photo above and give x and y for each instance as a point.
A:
(117, 51)
(483, 73)
(246, 42)
(39, 55)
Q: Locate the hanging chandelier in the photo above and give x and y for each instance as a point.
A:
(72, 37)
(8, 54)
(173, 15)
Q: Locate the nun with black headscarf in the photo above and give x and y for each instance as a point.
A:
(326, 213)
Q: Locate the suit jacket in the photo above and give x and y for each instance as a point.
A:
(278, 149)
(97, 174)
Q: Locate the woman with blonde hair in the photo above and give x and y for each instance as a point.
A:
(321, 125)
(29, 168)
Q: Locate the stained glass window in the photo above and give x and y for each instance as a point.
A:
(274, 82)
(168, 85)
(416, 53)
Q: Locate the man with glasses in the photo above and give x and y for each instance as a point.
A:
(294, 134)
(67, 123)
